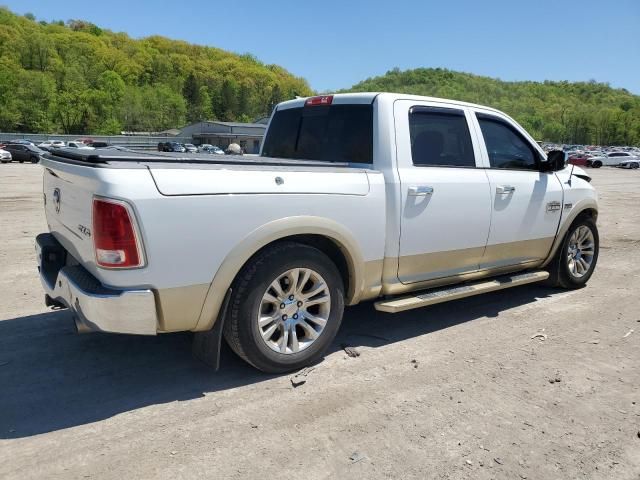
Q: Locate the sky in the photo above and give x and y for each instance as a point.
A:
(335, 44)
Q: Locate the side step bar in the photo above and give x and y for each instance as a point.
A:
(444, 294)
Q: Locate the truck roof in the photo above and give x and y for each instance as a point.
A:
(369, 97)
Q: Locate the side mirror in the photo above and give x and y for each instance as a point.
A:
(556, 160)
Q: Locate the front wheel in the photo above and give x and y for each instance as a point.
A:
(597, 164)
(576, 258)
(286, 307)
(34, 159)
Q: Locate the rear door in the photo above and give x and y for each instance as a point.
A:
(526, 204)
(446, 203)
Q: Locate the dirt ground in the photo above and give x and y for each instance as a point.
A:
(458, 390)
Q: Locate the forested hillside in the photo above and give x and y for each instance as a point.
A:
(584, 113)
(75, 77)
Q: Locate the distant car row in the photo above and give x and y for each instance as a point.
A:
(596, 157)
(27, 151)
(189, 148)
(611, 159)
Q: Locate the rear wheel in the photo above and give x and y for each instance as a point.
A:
(576, 258)
(286, 308)
(597, 164)
(634, 165)
(34, 159)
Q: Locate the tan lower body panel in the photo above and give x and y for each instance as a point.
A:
(179, 308)
(459, 291)
(435, 265)
(512, 253)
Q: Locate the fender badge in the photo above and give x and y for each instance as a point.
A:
(56, 199)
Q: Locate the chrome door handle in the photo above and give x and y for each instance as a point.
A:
(420, 191)
(502, 189)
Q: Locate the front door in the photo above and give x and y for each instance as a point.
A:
(526, 203)
(445, 198)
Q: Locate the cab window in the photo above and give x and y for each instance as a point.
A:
(440, 138)
(506, 147)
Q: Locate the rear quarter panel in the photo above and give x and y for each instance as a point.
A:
(192, 229)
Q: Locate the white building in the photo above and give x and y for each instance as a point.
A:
(247, 135)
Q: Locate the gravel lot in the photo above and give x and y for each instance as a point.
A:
(458, 390)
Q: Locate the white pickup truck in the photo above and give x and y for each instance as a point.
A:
(404, 200)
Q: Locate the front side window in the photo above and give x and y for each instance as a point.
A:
(505, 146)
(440, 138)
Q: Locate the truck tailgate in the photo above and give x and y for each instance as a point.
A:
(68, 201)
(68, 195)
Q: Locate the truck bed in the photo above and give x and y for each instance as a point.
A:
(124, 158)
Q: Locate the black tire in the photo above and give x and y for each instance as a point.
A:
(634, 165)
(559, 271)
(5, 161)
(34, 159)
(241, 329)
(589, 163)
(597, 164)
(21, 161)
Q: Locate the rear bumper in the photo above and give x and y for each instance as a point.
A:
(96, 307)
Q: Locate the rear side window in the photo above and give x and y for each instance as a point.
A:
(440, 137)
(328, 133)
(505, 146)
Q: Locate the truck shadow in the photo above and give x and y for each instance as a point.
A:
(52, 379)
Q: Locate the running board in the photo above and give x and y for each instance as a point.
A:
(444, 294)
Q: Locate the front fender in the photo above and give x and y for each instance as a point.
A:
(567, 219)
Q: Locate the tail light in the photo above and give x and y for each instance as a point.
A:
(321, 100)
(114, 236)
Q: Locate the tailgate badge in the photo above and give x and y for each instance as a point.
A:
(56, 199)
(84, 230)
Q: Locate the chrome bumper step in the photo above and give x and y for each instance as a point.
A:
(454, 292)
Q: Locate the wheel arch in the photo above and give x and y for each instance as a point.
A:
(587, 207)
(332, 238)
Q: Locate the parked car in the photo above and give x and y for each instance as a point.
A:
(5, 156)
(393, 208)
(211, 149)
(97, 144)
(50, 144)
(579, 159)
(79, 145)
(632, 164)
(23, 141)
(24, 152)
(191, 148)
(612, 159)
(616, 158)
(171, 147)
